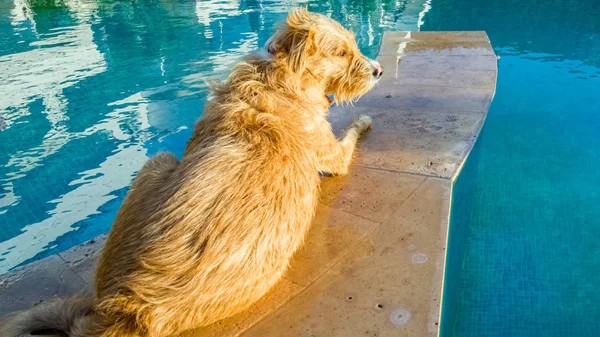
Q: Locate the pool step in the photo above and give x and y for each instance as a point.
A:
(373, 262)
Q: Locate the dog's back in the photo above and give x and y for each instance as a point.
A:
(197, 241)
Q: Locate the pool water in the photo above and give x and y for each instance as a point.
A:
(90, 89)
(524, 249)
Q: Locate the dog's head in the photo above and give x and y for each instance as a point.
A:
(314, 45)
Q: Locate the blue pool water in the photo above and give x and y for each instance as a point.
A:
(90, 89)
(524, 240)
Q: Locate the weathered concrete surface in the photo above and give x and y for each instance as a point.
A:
(373, 262)
(62, 275)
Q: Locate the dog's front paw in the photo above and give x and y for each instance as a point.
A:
(363, 123)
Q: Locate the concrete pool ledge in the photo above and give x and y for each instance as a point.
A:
(374, 260)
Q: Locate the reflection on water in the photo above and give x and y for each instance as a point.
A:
(90, 89)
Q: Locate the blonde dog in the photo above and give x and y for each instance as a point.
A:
(200, 240)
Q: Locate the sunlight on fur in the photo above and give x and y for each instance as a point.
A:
(200, 240)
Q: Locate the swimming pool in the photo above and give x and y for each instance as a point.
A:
(92, 88)
(523, 250)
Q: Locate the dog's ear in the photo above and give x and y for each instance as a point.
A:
(299, 47)
(298, 40)
(299, 18)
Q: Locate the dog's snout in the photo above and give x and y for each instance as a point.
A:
(377, 70)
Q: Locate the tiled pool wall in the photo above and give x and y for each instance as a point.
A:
(462, 195)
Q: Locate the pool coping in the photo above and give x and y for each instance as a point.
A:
(427, 115)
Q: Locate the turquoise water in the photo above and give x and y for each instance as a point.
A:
(90, 89)
(524, 247)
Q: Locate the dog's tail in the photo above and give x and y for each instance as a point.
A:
(54, 318)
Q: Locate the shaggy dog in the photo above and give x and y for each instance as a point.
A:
(200, 240)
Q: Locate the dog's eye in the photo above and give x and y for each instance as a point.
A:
(342, 54)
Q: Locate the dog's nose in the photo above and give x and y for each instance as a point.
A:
(378, 70)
